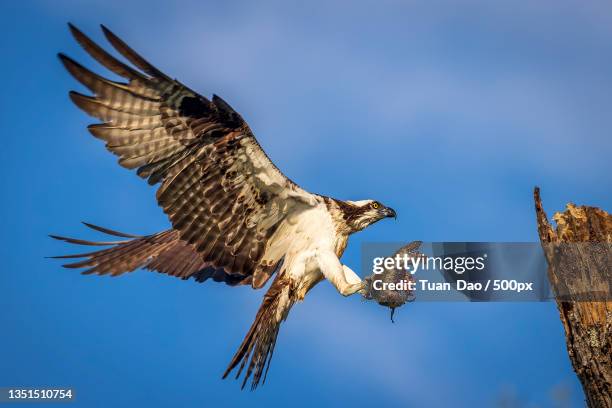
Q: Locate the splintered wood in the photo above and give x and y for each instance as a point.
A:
(579, 259)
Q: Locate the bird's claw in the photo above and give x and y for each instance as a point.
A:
(353, 288)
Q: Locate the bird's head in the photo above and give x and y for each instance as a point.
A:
(360, 214)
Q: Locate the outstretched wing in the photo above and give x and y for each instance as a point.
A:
(163, 252)
(221, 192)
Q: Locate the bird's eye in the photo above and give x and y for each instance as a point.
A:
(375, 205)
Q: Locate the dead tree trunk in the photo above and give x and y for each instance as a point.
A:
(581, 279)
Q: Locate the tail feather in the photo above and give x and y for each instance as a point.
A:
(257, 348)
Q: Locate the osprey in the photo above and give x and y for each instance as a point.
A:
(235, 217)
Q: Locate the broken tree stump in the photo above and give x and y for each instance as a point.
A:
(579, 259)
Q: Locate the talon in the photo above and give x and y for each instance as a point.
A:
(352, 289)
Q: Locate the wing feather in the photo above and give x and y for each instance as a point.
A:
(163, 252)
(131, 55)
(221, 192)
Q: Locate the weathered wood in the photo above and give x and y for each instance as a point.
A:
(581, 279)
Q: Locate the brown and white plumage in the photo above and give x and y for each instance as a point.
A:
(235, 217)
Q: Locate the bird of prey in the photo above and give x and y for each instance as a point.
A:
(235, 217)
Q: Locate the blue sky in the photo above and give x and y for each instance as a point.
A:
(450, 112)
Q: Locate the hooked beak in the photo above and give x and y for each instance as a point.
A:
(389, 212)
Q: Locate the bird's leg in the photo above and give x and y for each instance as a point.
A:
(341, 276)
(355, 284)
(351, 289)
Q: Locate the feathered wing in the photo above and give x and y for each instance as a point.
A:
(166, 253)
(223, 195)
(163, 252)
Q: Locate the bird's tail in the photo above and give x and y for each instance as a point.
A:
(130, 254)
(258, 345)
